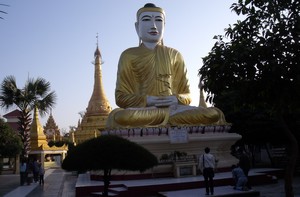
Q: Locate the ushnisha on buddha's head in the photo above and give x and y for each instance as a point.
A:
(150, 25)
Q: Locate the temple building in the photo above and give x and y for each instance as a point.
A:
(94, 119)
(39, 149)
(12, 119)
(51, 130)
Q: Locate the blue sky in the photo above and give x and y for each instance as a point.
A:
(56, 40)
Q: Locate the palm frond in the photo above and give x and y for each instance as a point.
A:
(3, 11)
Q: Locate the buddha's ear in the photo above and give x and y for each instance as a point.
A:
(136, 24)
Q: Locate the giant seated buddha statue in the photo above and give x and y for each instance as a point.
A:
(152, 89)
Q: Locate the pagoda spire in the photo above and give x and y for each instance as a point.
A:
(98, 104)
(36, 127)
(51, 129)
(94, 119)
(37, 136)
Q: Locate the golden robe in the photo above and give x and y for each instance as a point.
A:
(144, 72)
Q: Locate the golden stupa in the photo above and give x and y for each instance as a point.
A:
(94, 119)
(39, 148)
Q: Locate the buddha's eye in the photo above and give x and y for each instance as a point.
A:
(160, 19)
(146, 18)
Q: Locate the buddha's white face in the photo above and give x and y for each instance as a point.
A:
(150, 27)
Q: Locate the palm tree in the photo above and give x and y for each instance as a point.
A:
(35, 93)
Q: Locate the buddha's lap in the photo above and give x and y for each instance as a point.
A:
(161, 116)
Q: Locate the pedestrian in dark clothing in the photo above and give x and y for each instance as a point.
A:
(207, 165)
(29, 172)
(35, 171)
(41, 174)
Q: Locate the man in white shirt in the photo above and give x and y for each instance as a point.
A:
(207, 164)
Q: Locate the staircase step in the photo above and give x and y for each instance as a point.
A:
(101, 194)
(112, 191)
(118, 189)
(221, 191)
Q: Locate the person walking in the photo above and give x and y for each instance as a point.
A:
(23, 172)
(207, 164)
(29, 172)
(35, 170)
(41, 174)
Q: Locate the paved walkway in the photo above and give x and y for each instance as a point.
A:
(57, 183)
(60, 183)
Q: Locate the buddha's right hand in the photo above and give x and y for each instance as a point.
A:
(159, 101)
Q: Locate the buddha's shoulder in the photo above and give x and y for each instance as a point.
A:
(131, 50)
(140, 49)
(169, 49)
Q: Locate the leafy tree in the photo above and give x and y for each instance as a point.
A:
(10, 142)
(35, 93)
(108, 152)
(255, 68)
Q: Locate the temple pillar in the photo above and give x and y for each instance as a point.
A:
(63, 156)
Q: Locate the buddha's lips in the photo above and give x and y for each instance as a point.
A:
(153, 33)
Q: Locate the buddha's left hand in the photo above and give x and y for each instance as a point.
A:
(165, 101)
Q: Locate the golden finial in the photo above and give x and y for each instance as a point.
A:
(97, 39)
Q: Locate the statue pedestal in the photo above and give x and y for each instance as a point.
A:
(219, 144)
(189, 140)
